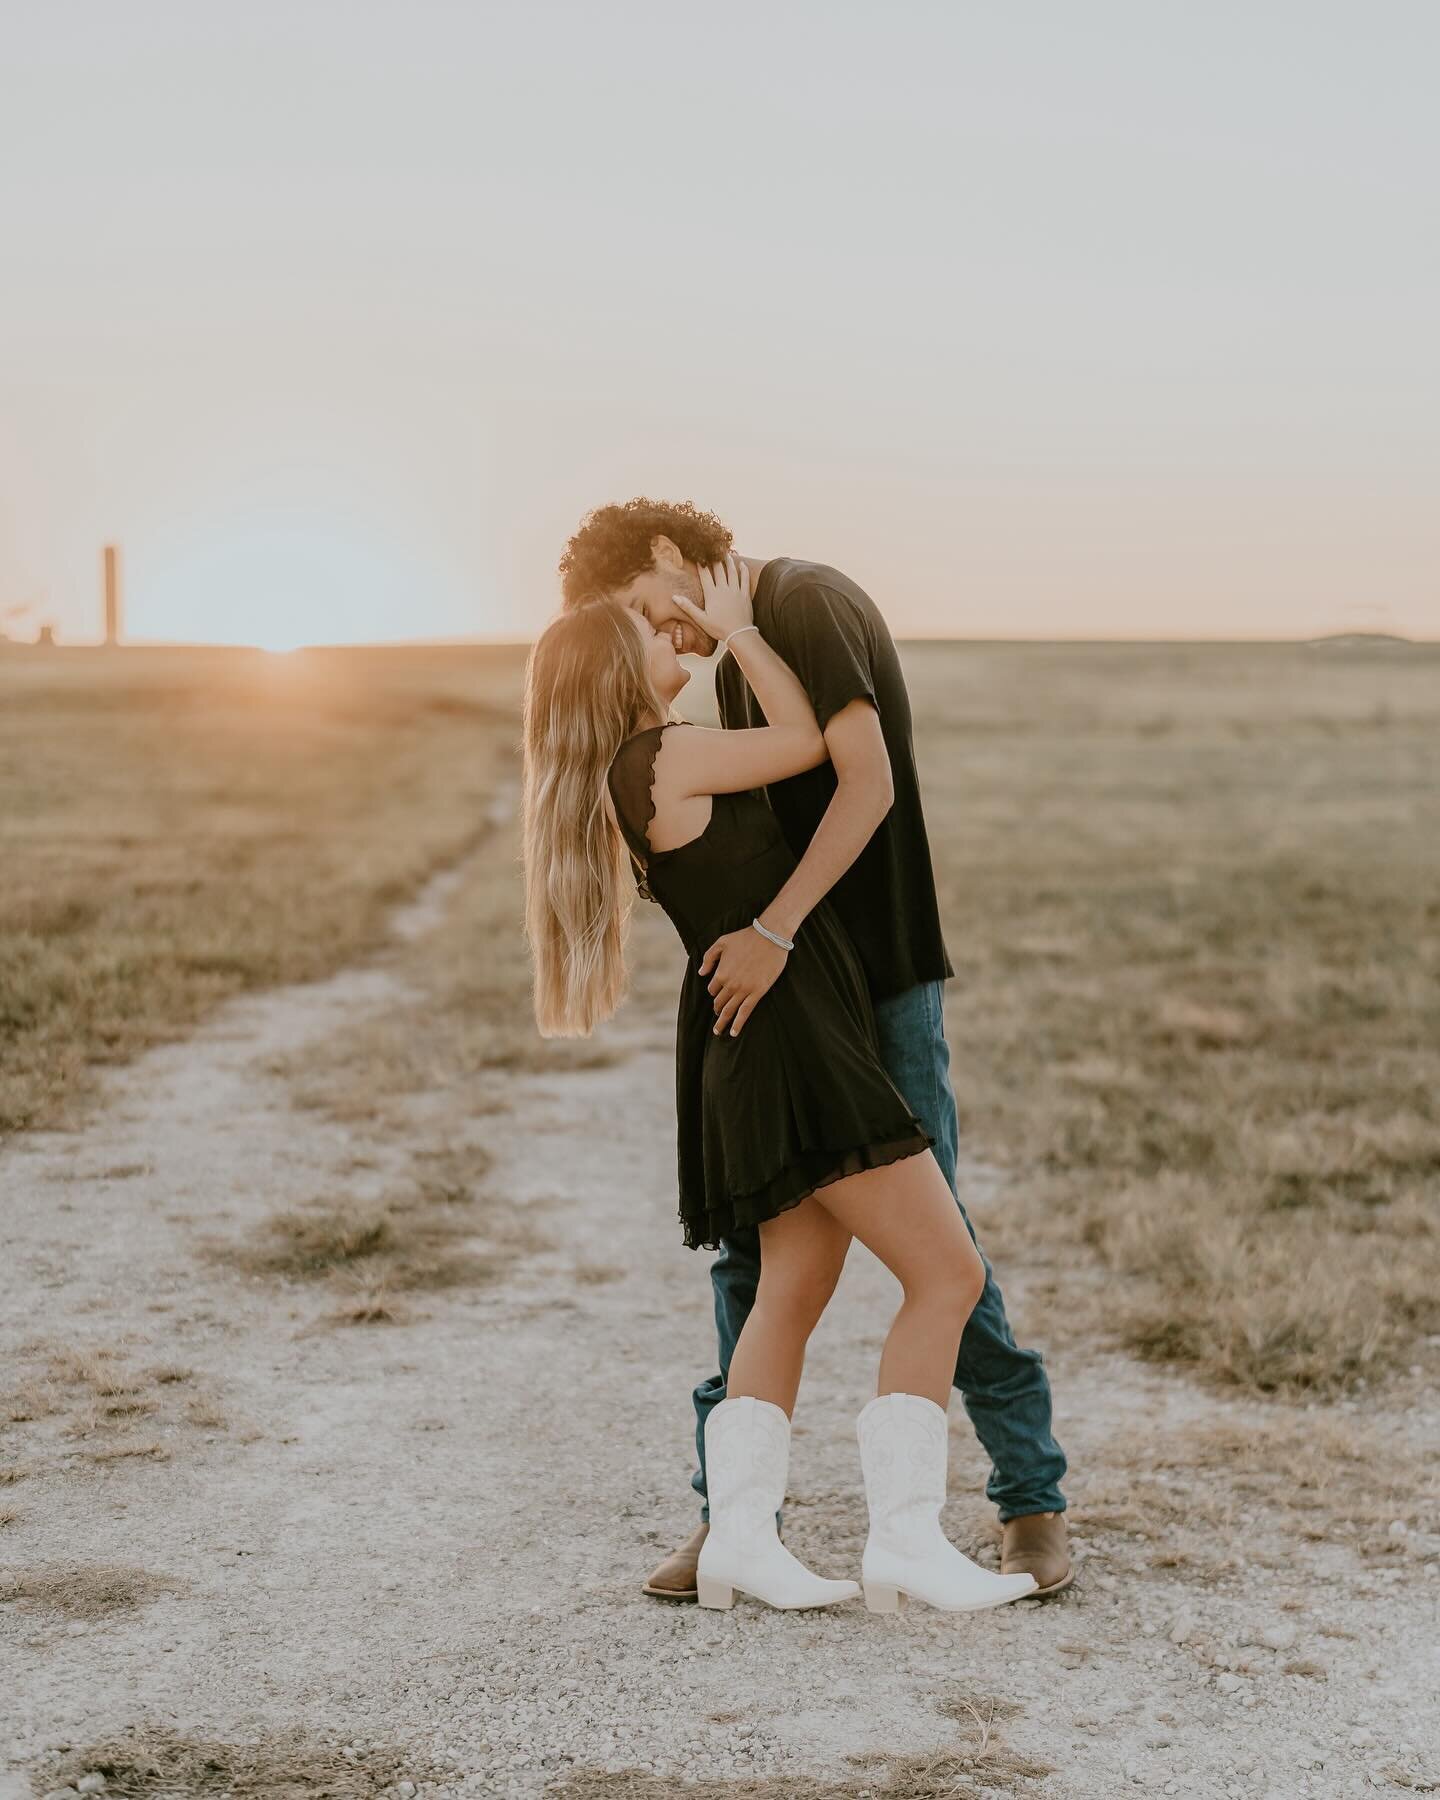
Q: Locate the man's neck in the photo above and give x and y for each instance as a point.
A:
(755, 565)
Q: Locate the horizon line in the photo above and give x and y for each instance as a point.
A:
(518, 642)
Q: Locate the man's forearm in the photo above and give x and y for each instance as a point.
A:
(856, 807)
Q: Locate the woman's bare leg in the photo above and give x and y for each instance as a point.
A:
(801, 1255)
(906, 1215)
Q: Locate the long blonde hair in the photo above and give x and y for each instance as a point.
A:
(587, 687)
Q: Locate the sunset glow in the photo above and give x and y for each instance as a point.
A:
(1090, 321)
(275, 586)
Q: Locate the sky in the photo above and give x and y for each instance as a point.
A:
(1040, 320)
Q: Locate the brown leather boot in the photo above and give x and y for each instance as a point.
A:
(674, 1579)
(1037, 1544)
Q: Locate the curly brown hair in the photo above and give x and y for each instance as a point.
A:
(612, 545)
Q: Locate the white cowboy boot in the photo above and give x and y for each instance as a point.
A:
(747, 1458)
(904, 1454)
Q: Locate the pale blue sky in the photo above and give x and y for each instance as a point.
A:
(1054, 318)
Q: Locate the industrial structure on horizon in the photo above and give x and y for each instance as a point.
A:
(112, 594)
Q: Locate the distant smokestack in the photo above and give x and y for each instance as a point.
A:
(112, 594)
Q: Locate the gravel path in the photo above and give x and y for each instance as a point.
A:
(428, 1538)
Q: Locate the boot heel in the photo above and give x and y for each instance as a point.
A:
(710, 1592)
(879, 1598)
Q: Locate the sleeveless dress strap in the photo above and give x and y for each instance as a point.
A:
(631, 779)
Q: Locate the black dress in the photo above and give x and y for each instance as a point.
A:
(800, 1098)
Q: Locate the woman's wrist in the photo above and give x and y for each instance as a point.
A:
(725, 641)
(781, 921)
(773, 937)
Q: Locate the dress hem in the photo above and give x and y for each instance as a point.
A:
(856, 1158)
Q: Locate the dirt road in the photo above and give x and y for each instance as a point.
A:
(411, 1551)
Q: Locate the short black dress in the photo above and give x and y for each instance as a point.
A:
(800, 1098)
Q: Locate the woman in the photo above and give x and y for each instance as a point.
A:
(788, 1121)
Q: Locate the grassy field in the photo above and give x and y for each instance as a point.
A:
(177, 825)
(1192, 895)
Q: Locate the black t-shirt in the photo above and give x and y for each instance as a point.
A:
(832, 635)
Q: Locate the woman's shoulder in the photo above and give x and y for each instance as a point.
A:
(642, 745)
(639, 743)
(632, 778)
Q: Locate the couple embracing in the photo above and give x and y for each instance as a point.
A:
(789, 851)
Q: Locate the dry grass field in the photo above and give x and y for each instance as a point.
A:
(1192, 895)
(342, 1272)
(179, 825)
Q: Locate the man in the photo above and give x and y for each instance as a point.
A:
(857, 827)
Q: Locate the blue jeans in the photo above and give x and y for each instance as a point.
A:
(1005, 1389)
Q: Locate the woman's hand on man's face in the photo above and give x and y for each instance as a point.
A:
(725, 589)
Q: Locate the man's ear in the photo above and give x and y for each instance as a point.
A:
(666, 554)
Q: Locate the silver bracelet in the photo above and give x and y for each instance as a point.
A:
(725, 641)
(784, 943)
